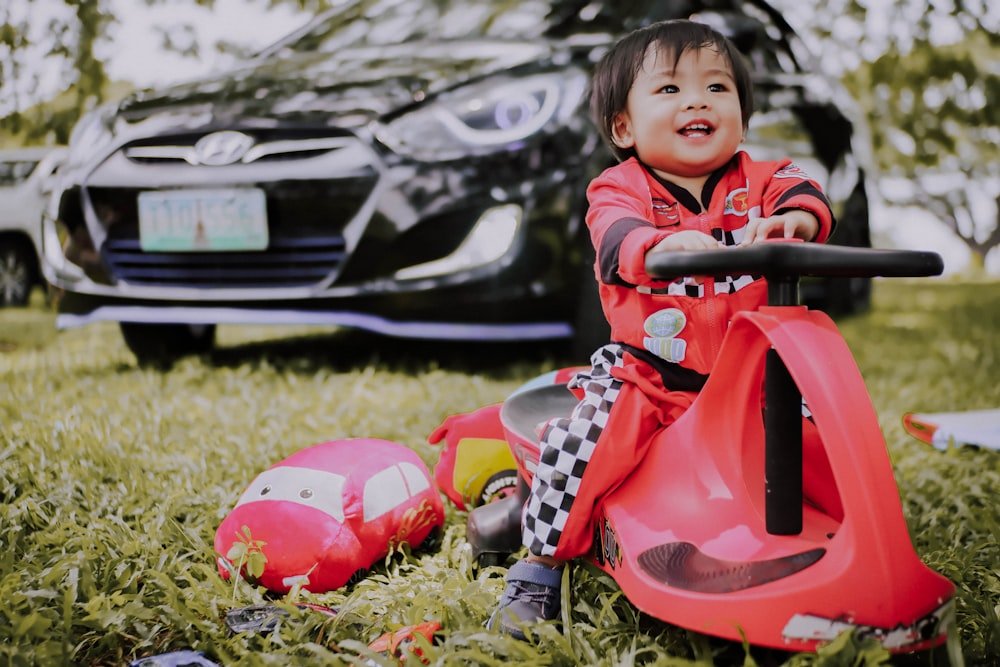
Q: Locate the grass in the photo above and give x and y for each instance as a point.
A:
(113, 479)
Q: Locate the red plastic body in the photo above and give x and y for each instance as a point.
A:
(703, 484)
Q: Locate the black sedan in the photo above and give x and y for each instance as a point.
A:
(415, 168)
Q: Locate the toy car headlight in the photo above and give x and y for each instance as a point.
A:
(484, 117)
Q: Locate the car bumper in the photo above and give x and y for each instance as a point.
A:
(316, 315)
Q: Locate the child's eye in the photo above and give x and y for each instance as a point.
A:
(717, 88)
(669, 88)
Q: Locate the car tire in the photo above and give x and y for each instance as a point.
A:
(590, 328)
(162, 344)
(847, 296)
(17, 272)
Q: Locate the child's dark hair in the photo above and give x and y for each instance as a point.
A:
(619, 67)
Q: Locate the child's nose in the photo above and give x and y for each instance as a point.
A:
(697, 101)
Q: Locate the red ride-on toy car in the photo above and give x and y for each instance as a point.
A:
(767, 526)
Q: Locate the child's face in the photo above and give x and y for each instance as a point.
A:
(684, 122)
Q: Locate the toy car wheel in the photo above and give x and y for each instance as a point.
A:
(358, 576)
(598, 545)
(163, 344)
(17, 270)
(432, 541)
(498, 486)
(490, 559)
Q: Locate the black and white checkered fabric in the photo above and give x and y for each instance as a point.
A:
(567, 445)
(693, 287)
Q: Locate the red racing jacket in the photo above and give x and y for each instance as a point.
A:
(678, 326)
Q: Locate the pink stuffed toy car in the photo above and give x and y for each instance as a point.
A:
(320, 518)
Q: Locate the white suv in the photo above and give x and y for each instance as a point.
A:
(24, 182)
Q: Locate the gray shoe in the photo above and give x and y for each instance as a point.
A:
(533, 594)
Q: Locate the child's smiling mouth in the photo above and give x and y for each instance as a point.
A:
(697, 129)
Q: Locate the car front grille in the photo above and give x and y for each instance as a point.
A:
(306, 243)
(287, 262)
(267, 147)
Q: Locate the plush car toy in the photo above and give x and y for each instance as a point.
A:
(476, 466)
(321, 517)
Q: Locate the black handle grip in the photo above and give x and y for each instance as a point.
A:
(780, 259)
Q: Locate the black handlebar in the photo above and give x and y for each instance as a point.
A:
(780, 259)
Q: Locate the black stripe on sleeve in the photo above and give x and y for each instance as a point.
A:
(803, 189)
(611, 244)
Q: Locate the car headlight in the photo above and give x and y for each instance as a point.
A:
(490, 239)
(484, 117)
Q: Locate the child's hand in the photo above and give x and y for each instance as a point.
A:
(689, 239)
(796, 224)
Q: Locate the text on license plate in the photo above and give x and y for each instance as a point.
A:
(230, 219)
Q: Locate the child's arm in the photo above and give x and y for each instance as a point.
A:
(791, 224)
(792, 206)
(689, 239)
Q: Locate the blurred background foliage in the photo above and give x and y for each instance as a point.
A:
(933, 107)
(926, 75)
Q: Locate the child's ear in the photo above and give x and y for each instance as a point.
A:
(621, 131)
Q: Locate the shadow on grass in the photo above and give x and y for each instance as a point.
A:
(29, 327)
(347, 350)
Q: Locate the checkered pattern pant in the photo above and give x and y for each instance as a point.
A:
(587, 454)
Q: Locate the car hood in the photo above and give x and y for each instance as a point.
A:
(346, 89)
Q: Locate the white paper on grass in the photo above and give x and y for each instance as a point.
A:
(941, 429)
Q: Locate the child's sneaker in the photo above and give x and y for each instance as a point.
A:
(533, 594)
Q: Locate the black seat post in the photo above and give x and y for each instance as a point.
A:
(782, 428)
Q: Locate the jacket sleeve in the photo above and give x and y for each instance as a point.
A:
(618, 216)
(791, 188)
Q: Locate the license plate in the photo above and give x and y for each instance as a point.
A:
(202, 220)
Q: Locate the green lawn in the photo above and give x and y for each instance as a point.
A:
(113, 479)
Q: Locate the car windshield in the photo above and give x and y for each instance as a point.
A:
(386, 22)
